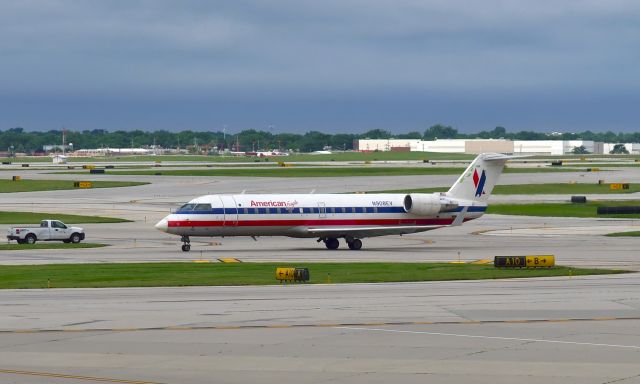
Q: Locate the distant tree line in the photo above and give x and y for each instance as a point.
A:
(19, 140)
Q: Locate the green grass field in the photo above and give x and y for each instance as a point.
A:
(535, 189)
(601, 165)
(8, 185)
(36, 217)
(560, 209)
(624, 234)
(326, 172)
(336, 156)
(47, 245)
(208, 274)
(304, 172)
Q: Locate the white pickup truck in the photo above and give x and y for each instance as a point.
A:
(49, 230)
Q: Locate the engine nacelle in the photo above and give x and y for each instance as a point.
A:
(424, 204)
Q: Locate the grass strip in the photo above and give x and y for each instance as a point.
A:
(601, 165)
(327, 172)
(561, 209)
(47, 245)
(36, 217)
(219, 274)
(7, 186)
(336, 156)
(536, 189)
(624, 234)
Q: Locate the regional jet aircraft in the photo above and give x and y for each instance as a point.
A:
(329, 217)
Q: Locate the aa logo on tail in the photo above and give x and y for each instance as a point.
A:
(478, 182)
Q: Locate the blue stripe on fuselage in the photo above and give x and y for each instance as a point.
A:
(311, 210)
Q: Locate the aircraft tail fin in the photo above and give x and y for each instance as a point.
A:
(478, 180)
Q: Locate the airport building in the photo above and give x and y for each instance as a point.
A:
(475, 146)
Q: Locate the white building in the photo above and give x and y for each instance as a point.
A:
(542, 147)
(556, 147)
(385, 144)
(632, 148)
(112, 151)
(473, 146)
(59, 159)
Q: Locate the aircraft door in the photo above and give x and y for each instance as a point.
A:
(322, 210)
(230, 211)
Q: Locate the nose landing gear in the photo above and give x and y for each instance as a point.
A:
(186, 246)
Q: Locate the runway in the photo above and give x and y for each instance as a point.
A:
(574, 242)
(551, 330)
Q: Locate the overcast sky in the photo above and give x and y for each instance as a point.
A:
(331, 65)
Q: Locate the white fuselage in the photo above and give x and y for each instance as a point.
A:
(361, 215)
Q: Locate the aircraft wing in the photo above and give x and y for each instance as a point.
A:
(360, 232)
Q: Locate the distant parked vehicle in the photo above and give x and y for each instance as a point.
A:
(49, 230)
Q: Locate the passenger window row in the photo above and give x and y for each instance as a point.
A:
(207, 209)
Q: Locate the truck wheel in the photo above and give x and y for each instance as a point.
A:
(30, 239)
(21, 241)
(75, 238)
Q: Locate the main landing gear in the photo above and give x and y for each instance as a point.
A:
(186, 246)
(354, 244)
(333, 243)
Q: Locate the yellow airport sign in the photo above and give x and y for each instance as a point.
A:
(292, 274)
(285, 274)
(619, 186)
(530, 261)
(83, 184)
(540, 261)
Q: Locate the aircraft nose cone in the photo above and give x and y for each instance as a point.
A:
(162, 225)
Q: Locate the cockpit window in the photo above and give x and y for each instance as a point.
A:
(187, 207)
(202, 207)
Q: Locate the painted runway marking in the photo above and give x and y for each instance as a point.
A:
(490, 337)
(321, 325)
(74, 377)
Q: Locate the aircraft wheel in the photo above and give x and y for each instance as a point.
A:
(355, 245)
(186, 247)
(332, 243)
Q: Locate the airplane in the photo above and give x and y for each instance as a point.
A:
(329, 217)
(275, 152)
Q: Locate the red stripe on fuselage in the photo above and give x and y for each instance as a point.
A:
(309, 223)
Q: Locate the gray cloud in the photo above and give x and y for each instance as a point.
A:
(252, 51)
